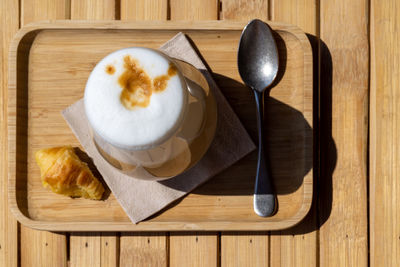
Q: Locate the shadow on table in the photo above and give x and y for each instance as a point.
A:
(325, 153)
(328, 152)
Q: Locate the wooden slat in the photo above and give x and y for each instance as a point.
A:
(85, 249)
(244, 9)
(245, 249)
(36, 10)
(343, 189)
(143, 249)
(297, 246)
(93, 9)
(9, 21)
(144, 9)
(249, 249)
(93, 249)
(147, 249)
(109, 249)
(193, 249)
(194, 9)
(40, 248)
(302, 13)
(139, 249)
(384, 134)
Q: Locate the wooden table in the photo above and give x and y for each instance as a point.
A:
(355, 219)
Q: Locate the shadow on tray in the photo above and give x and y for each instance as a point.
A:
(287, 133)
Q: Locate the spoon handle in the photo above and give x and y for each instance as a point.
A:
(264, 198)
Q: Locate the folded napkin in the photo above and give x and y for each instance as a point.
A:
(141, 199)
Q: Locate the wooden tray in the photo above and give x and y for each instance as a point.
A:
(49, 65)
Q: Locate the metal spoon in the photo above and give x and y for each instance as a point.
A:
(258, 66)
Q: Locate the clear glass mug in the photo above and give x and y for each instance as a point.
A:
(184, 148)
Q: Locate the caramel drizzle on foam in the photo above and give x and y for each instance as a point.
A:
(110, 69)
(137, 85)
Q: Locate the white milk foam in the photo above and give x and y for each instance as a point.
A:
(142, 127)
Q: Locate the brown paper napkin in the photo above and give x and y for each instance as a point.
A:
(141, 199)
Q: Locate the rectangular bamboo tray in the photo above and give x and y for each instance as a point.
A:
(49, 64)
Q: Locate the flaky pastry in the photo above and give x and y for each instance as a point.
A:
(64, 173)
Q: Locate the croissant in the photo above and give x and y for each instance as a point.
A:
(66, 174)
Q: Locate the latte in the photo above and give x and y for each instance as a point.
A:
(135, 98)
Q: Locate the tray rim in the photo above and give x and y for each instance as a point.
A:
(145, 225)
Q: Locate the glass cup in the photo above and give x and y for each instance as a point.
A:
(183, 148)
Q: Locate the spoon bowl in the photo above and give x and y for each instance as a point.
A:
(258, 65)
(258, 56)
